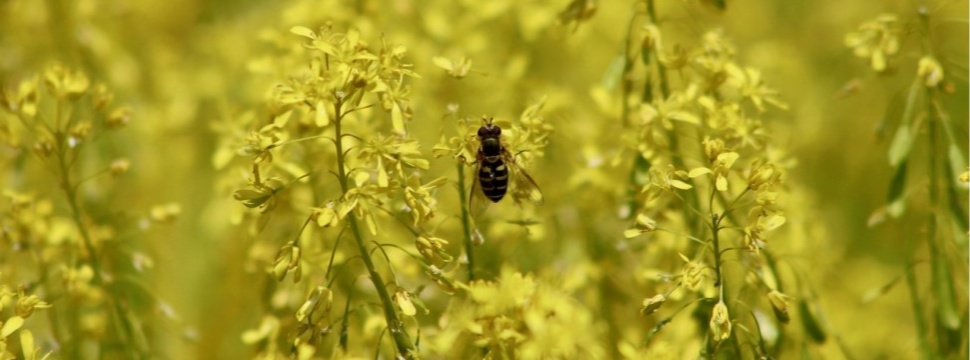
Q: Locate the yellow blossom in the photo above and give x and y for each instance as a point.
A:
(876, 40)
(652, 304)
(720, 322)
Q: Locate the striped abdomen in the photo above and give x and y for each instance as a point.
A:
(493, 175)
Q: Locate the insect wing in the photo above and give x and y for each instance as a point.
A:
(477, 202)
(525, 187)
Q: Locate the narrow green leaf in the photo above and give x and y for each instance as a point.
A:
(948, 340)
(303, 31)
(12, 324)
(901, 145)
(903, 140)
(810, 323)
(954, 200)
(345, 324)
(897, 188)
(613, 73)
(943, 288)
(957, 162)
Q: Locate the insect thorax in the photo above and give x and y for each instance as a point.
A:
(491, 147)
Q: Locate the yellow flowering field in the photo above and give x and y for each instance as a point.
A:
(501, 179)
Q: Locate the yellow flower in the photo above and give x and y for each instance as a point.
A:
(287, 261)
(692, 274)
(930, 71)
(643, 224)
(754, 234)
(433, 249)
(314, 316)
(763, 176)
(876, 40)
(26, 304)
(720, 167)
(652, 304)
(779, 304)
(403, 300)
(118, 118)
(720, 322)
(119, 167)
(747, 82)
(664, 179)
(64, 83)
(456, 68)
(326, 216)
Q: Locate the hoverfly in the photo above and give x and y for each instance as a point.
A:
(496, 166)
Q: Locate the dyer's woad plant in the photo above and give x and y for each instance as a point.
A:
(70, 255)
(332, 149)
(706, 187)
(930, 187)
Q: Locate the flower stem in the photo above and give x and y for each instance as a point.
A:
(466, 225)
(672, 139)
(123, 329)
(396, 327)
(715, 230)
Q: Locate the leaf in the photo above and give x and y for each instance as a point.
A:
(222, 156)
(322, 118)
(613, 73)
(685, 117)
(397, 119)
(251, 198)
(680, 185)
(875, 293)
(27, 346)
(721, 183)
(443, 63)
(11, 325)
(957, 163)
(943, 289)
(280, 120)
(304, 32)
(903, 140)
(632, 233)
(382, 178)
(896, 199)
(695, 172)
(810, 323)
(901, 145)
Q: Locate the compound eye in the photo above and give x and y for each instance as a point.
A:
(496, 130)
(482, 131)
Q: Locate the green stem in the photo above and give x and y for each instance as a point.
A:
(465, 223)
(394, 325)
(917, 303)
(715, 230)
(70, 192)
(672, 139)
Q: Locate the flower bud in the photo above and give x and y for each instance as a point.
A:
(119, 167)
(930, 71)
(118, 118)
(432, 249)
(403, 300)
(652, 304)
(27, 304)
(713, 148)
(720, 322)
(779, 303)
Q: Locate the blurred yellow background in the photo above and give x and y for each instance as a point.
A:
(191, 71)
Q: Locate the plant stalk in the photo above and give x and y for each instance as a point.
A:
(394, 325)
(70, 192)
(465, 223)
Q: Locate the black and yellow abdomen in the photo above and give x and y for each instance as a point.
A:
(492, 174)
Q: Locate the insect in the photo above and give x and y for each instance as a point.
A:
(496, 167)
